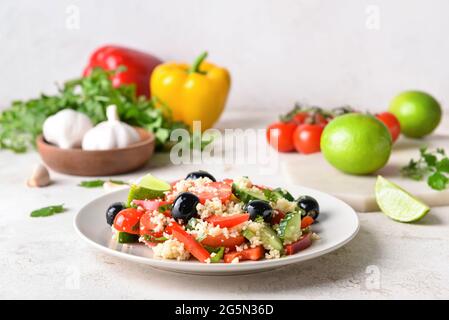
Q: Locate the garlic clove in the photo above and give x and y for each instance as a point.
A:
(39, 178)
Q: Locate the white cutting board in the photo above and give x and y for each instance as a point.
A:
(358, 191)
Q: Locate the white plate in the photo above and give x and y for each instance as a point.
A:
(338, 224)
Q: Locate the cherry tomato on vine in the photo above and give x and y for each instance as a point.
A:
(306, 138)
(320, 119)
(300, 117)
(392, 124)
(280, 136)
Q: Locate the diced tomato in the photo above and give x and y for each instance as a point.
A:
(219, 190)
(306, 221)
(303, 243)
(278, 217)
(128, 220)
(147, 226)
(191, 245)
(228, 181)
(150, 205)
(228, 221)
(254, 254)
(222, 241)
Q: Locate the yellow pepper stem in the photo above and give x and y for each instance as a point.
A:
(195, 67)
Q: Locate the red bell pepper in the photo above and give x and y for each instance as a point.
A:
(191, 245)
(228, 221)
(221, 241)
(306, 222)
(139, 66)
(254, 254)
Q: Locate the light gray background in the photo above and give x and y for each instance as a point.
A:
(324, 52)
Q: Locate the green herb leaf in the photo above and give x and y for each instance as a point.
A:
(443, 165)
(47, 211)
(414, 170)
(430, 159)
(433, 164)
(164, 208)
(98, 183)
(438, 181)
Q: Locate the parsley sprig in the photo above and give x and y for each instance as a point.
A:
(433, 165)
(22, 122)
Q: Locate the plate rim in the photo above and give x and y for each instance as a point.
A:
(199, 268)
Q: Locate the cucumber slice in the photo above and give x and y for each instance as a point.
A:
(248, 234)
(278, 193)
(285, 194)
(269, 239)
(124, 237)
(219, 253)
(246, 195)
(290, 227)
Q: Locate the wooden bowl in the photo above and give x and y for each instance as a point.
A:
(99, 162)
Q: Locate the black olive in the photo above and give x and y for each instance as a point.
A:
(310, 206)
(260, 208)
(112, 211)
(200, 174)
(184, 206)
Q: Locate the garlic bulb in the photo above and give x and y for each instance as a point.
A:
(110, 134)
(66, 128)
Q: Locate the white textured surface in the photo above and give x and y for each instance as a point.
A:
(44, 258)
(358, 52)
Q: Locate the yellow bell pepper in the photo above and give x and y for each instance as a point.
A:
(194, 93)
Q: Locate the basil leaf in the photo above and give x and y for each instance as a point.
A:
(47, 211)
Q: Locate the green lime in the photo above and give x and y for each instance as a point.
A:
(151, 182)
(149, 187)
(397, 203)
(356, 143)
(418, 113)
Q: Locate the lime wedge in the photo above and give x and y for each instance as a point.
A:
(397, 203)
(151, 182)
(149, 187)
